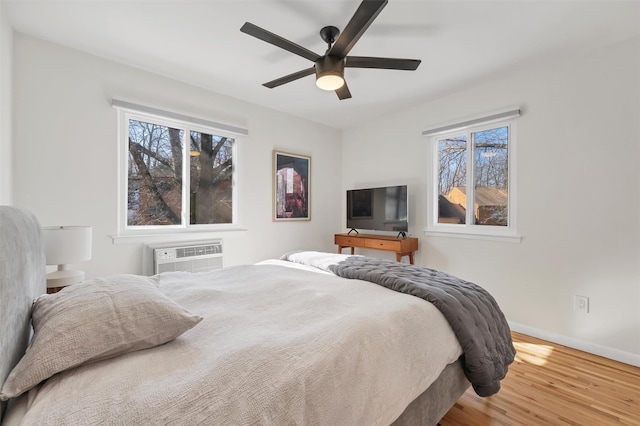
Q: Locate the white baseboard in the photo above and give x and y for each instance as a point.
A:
(592, 348)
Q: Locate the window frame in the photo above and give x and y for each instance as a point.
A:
(131, 233)
(469, 229)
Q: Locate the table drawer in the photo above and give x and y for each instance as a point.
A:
(345, 241)
(390, 245)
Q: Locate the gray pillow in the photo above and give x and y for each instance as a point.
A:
(95, 320)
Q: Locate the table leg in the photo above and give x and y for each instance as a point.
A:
(343, 247)
(400, 255)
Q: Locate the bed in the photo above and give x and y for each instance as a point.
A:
(298, 340)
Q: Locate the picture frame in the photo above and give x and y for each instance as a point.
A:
(291, 187)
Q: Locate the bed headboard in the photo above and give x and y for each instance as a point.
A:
(22, 279)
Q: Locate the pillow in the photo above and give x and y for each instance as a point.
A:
(95, 320)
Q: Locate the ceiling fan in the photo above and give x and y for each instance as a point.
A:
(329, 68)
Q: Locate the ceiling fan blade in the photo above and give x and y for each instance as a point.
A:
(382, 63)
(343, 92)
(364, 16)
(289, 78)
(276, 40)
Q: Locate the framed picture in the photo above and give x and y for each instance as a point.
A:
(291, 187)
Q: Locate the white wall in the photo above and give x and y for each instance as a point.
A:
(65, 154)
(578, 199)
(6, 70)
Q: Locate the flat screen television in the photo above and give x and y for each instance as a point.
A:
(378, 209)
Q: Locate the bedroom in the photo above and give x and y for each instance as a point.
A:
(579, 126)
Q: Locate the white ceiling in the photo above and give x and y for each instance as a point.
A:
(460, 43)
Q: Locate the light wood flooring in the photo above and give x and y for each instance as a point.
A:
(550, 384)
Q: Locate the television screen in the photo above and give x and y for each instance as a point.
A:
(378, 209)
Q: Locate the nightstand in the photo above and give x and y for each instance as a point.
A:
(51, 290)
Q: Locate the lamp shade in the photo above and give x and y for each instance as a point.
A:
(67, 244)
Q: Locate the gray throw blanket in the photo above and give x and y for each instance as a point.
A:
(472, 312)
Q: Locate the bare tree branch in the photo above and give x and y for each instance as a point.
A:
(135, 150)
(176, 152)
(150, 153)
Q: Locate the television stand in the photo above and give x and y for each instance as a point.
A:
(400, 246)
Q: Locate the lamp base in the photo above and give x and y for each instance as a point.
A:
(64, 278)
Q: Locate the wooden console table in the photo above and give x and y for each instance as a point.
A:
(401, 246)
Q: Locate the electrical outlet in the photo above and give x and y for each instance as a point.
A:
(581, 304)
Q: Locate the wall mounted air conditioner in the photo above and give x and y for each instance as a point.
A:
(190, 257)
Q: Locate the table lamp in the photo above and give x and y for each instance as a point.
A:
(64, 245)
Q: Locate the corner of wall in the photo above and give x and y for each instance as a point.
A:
(6, 108)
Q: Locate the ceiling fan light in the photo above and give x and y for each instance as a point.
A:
(329, 81)
(329, 73)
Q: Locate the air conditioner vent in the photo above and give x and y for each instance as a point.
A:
(202, 257)
(199, 250)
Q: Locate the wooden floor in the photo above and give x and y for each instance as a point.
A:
(549, 384)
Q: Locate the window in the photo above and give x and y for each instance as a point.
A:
(473, 189)
(175, 175)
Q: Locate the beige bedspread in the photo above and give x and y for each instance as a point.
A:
(277, 346)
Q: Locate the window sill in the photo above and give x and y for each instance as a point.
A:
(176, 236)
(508, 238)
